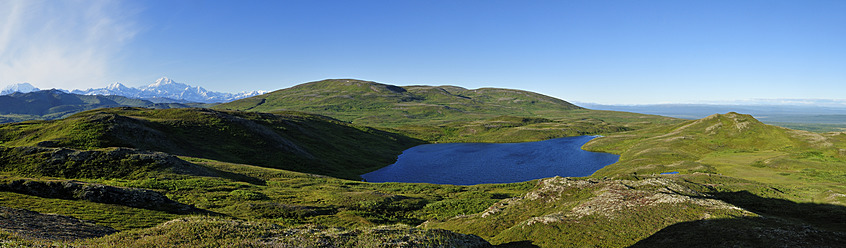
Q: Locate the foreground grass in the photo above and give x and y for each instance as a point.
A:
(253, 206)
(210, 232)
(114, 216)
(277, 196)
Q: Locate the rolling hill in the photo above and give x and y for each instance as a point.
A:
(292, 141)
(367, 102)
(447, 113)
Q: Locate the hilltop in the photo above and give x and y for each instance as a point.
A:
(376, 103)
(446, 113)
(681, 147)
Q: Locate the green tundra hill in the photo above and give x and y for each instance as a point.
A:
(367, 102)
(55, 104)
(447, 113)
(810, 167)
(287, 140)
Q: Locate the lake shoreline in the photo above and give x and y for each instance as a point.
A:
(486, 163)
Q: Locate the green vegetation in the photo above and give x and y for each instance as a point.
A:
(291, 140)
(101, 163)
(371, 103)
(447, 113)
(248, 179)
(279, 198)
(809, 166)
(209, 232)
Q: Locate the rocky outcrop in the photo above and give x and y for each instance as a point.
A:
(74, 190)
(117, 162)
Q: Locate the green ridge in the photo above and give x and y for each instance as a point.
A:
(290, 140)
(447, 113)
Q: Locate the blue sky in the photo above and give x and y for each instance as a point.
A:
(610, 52)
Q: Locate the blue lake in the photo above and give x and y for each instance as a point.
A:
(478, 163)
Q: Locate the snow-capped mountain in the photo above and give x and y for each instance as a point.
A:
(165, 88)
(21, 87)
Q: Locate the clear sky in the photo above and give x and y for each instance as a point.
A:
(610, 52)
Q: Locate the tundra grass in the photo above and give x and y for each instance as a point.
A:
(809, 167)
(282, 197)
(317, 199)
(114, 216)
(416, 109)
(288, 140)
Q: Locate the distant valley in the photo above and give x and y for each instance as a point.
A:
(822, 117)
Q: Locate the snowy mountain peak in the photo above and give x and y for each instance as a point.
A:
(166, 88)
(21, 87)
(116, 86)
(161, 82)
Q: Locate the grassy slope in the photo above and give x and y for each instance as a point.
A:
(269, 196)
(447, 113)
(366, 102)
(290, 140)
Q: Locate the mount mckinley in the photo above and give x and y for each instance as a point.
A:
(164, 90)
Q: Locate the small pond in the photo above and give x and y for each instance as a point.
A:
(478, 163)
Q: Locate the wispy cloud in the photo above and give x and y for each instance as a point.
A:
(61, 44)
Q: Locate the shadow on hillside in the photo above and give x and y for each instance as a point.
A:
(782, 223)
(827, 216)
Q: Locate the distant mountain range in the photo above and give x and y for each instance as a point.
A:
(163, 90)
(21, 87)
(55, 104)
